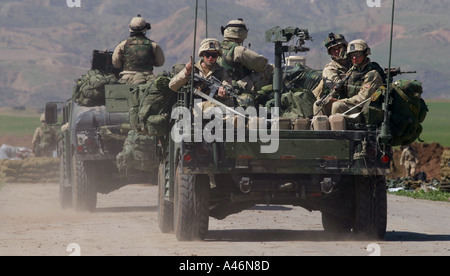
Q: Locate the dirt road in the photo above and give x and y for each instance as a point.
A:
(126, 223)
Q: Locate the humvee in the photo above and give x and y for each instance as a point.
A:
(341, 173)
(91, 138)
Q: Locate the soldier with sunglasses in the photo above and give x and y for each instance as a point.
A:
(209, 51)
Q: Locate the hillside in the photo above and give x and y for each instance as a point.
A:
(45, 45)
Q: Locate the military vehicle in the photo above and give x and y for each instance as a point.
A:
(341, 173)
(91, 138)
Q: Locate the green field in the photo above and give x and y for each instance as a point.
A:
(17, 124)
(436, 127)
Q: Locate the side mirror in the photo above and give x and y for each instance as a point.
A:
(51, 113)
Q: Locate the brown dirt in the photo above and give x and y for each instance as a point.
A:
(16, 141)
(429, 160)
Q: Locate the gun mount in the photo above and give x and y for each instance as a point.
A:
(279, 36)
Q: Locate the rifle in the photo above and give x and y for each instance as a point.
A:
(326, 98)
(212, 85)
(394, 71)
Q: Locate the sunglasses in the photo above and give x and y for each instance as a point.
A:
(213, 55)
(356, 55)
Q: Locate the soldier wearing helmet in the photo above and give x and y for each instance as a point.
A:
(44, 139)
(138, 55)
(209, 51)
(364, 80)
(248, 69)
(335, 71)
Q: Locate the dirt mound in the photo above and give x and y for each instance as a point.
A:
(429, 160)
(17, 141)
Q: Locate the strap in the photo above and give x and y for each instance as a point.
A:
(415, 107)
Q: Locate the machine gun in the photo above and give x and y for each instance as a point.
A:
(395, 71)
(278, 36)
(326, 98)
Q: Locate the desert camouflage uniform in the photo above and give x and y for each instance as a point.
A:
(333, 73)
(138, 55)
(248, 70)
(409, 160)
(44, 140)
(216, 70)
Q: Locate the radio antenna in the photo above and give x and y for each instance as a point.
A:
(385, 138)
(193, 53)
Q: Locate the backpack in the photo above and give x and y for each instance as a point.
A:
(297, 104)
(151, 104)
(408, 111)
(138, 152)
(90, 88)
(302, 77)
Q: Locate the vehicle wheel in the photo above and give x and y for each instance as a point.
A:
(165, 208)
(191, 216)
(370, 207)
(84, 191)
(335, 224)
(65, 190)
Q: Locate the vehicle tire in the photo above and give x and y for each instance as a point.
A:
(191, 216)
(65, 190)
(165, 208)
(334, 224)
(84, 191)
(370, 207)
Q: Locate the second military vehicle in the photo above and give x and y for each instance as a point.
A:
(92, 135)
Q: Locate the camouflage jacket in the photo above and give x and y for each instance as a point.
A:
(408, 155)
(240, 61)
(364, 81)
(182, 79)
(138, 54)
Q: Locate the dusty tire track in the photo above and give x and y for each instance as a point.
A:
(126, 223)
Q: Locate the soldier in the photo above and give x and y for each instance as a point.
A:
(335, 71)
(137, 56)
(209, 51)
(363, 82)
(248, 70)
(409, 160)
(44, 140)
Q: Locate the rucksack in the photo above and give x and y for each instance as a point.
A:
(138, 152)
(151, 104)
(408, 111)
(302, 77)
(90, 88)
(297, 104)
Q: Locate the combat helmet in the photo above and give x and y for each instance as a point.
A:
(209, 44)
(358, 45)
(334, 40)
(235, 29)
(138, 25)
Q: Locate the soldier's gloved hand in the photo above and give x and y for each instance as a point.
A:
(188, 68)
(222, 93)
